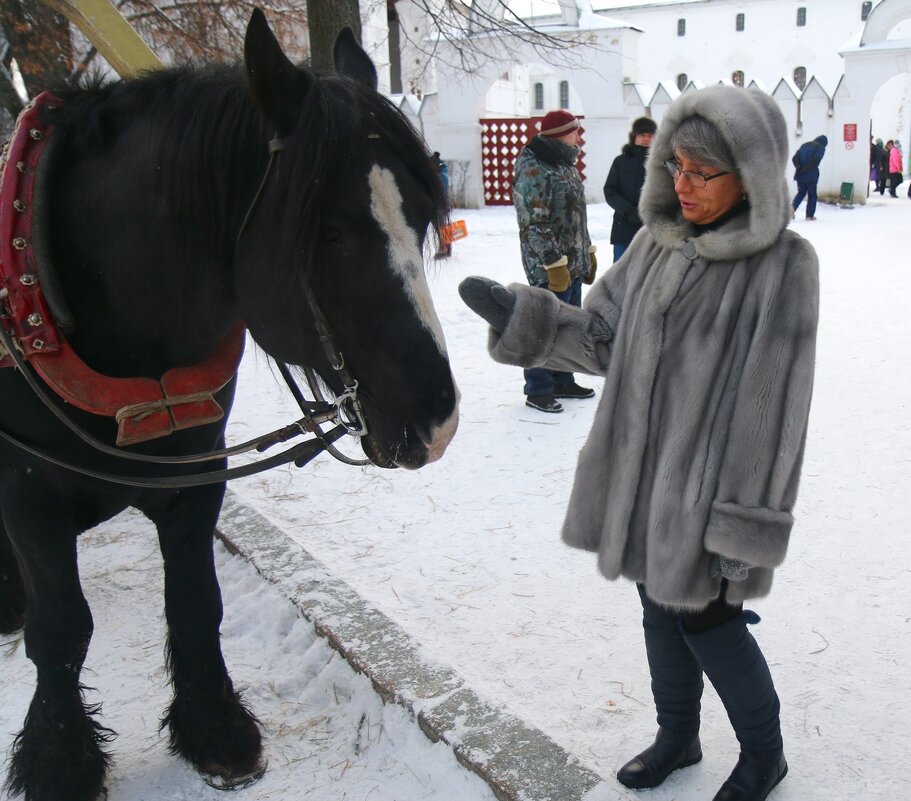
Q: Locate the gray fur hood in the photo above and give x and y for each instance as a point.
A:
(754, 130)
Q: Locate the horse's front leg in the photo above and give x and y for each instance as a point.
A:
(57, 756)
(12, 592)
(208, 724)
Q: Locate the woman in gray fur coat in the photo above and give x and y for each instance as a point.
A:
(705, 333)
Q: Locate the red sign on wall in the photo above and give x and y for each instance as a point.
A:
(850, 132)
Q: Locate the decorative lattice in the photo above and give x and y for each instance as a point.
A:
(501, 142)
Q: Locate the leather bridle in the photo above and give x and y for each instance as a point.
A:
(344, 411)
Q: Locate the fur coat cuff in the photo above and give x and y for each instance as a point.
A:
(529, 335)
(752, 534)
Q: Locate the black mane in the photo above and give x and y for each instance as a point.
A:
(341, 118)
(184, 101)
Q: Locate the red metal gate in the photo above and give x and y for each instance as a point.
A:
(501, 142)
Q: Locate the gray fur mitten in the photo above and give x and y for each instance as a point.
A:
(488, 299)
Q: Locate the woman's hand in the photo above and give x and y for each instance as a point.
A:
(488, 299)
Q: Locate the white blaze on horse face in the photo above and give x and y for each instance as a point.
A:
(404, 248)
(405, 258)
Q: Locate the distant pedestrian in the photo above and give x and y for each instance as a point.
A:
(445, 249)
(806, 172)
(883, 177)
(876, 157)
(895, 167)
(624, 185)
(557, 252)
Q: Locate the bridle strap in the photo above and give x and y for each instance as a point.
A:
(300, 454)
(348, 405)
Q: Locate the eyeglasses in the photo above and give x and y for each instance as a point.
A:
(697, 179)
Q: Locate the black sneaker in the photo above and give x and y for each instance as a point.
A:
(544, 403)
(573, 391)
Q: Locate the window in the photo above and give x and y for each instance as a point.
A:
(681, 27)
(865, 9)
(737, 77)
(539, 97)
(682, 81)
(564, 94)
(801, 17)
(800, 77)
(741, 21)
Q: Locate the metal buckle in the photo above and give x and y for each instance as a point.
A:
(348, 412)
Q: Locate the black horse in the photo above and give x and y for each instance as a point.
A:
(168, 224)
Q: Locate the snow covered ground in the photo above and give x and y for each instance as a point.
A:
(465, 555)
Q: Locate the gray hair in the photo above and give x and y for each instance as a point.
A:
(699, 140)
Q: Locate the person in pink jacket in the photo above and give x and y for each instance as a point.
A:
(895, 168)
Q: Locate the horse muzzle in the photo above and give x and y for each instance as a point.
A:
(416, 444)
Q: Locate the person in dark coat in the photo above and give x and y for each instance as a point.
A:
(883, 176)
(445, 249)
(624, 185)
(806, 173)
(876, 158)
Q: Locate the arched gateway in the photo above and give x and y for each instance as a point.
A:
(872, 61)
(457, 129)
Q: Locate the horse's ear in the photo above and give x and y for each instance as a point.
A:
(351, 60)
(276, 84)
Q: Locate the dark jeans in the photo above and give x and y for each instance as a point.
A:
(619, 250)
(806, 189)
(541, 381)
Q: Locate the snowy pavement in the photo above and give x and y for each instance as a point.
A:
(465, 556)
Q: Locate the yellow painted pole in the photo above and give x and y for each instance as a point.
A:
(106, 28)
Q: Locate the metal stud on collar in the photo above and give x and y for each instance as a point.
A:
(19, 243)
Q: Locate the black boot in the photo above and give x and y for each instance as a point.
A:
(736, 667)
(754, 777)
(677, 690)
(670, 751)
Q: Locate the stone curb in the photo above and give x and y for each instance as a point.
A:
(520, 763)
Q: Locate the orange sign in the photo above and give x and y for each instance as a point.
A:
(453, 232)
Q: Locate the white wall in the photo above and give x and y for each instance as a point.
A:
(770, 46)
(842, 80)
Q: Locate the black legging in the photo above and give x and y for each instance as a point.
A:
(717, 612)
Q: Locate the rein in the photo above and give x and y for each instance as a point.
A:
(345, 410)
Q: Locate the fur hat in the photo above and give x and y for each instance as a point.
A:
(558, 123)
(644, 125)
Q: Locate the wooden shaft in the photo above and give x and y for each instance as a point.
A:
(106, 28)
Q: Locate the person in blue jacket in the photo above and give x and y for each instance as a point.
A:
(806, 173)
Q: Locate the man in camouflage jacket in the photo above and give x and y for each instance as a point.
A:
(553, 233)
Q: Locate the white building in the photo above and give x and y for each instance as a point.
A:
(641, 55)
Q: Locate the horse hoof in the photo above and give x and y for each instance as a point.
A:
(237, 782)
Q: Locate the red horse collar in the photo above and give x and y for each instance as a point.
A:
(144, 408)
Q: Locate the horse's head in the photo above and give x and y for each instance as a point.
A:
(344, 210)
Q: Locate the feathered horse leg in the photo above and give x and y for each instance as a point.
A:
(208, 725)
